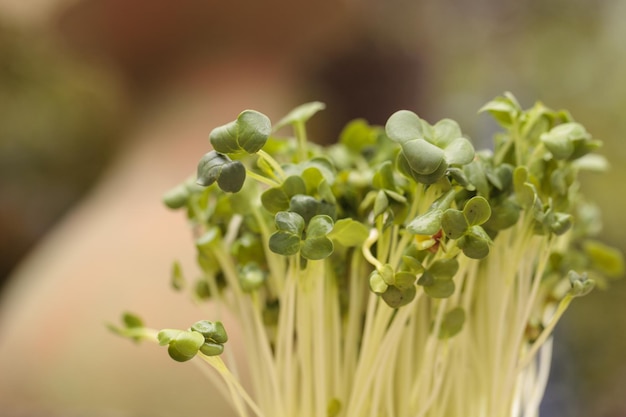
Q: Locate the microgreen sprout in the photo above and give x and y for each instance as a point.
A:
(398, 272)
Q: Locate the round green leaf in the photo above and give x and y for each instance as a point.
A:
(232, 177)
(404, 279)
(440, 289)
(454, 223)
(185, 345)
(446, 132)
(284, 243)
(289, 222)
(404, 126)
(444, 269)
(308, 207)
(475, 244)
(177, 197)
(319, 226)
(396, 297)
(377, 283)
(277, 198)
(251, 277)
(317, 248)
(477, 210)
(459, 152)
(423, 157)
(210, 168)
(212, 331)
(248, 133)
(211, 349)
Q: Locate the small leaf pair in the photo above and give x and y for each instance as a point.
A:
(428, 151)
(437, 278)
(396, 288)
(290, 238)
(204, 336)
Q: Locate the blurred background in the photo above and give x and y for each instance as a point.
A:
(104, 104)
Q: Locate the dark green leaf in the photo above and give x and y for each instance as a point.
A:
(248, 133)
(317, 248)
(230, 175)
(396, 297)
(348, 232)
(454, 223)
(284, 243)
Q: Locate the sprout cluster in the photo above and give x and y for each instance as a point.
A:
(398, 271)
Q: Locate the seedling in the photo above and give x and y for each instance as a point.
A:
(397, 272)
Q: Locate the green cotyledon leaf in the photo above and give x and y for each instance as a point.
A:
(246, 134)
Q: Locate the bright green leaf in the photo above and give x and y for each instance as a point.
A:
(427, 224)
(477, 211)
(377, 283)
(300, 114)
(348, 232)
(459, 152)
(446, 132)
(404, 126)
